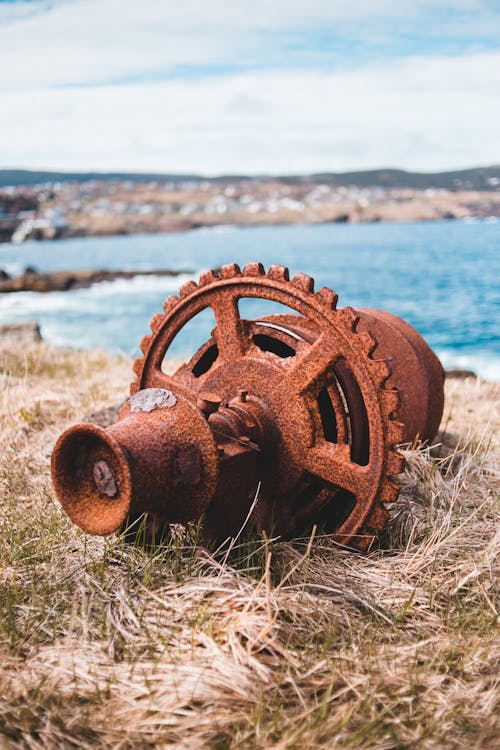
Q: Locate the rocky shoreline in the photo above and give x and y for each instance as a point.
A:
(62, 281)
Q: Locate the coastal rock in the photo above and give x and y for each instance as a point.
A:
(460, 374)
(62, 281)
(26, 332)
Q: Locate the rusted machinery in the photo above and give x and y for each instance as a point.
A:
(293, 418)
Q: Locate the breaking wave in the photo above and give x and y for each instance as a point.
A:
(442, 277)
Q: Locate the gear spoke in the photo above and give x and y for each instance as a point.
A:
(158, 379)
(186, 377)
(331, 462)
(228, 333)
(309, 368)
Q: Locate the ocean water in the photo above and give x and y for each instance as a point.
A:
(442, 277)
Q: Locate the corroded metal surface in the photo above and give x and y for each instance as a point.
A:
(295, 417)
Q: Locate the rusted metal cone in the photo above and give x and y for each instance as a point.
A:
(306, 407)
(146, 462)
(92, 478)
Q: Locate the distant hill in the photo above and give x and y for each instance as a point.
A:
(15, 177)
(480, 178)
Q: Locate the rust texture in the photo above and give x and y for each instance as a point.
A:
(292, 418)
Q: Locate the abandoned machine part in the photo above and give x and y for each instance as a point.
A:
(285, 420)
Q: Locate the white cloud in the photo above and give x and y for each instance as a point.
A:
(423, 113)
(98, 41)
(82, 87)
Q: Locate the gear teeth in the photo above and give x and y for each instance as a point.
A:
(253, 269)
(367, 343)
(381, 370)
(378, 518)
(208, 277)
(188, 288)
(137, 369)
(303, 282)
(327, 297)
(395, 463)
(156, 322)
(138, 365)
(145, 343)
(390, 400)
(170, 303)
(349, 317)
(229, 270)
(278, 273)
(395, 432)
(389, 492)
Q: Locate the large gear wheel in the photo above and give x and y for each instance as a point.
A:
(287, 419)
(321, 379)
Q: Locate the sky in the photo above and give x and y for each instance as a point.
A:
(264, 86)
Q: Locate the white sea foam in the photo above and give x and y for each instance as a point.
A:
(32, 303)
(110, 314)
(486, 365)
(115, 314)
(137, 285)
(382, 265)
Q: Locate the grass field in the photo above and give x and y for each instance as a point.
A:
(276, 645)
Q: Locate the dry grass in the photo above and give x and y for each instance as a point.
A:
(105, 645)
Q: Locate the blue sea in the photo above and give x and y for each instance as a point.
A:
(442, 277)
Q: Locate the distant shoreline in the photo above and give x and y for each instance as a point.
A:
(111, 227)
(103, 208)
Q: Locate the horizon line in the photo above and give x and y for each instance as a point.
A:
(236, 175)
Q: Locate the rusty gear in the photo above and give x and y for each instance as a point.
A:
(298, 410)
